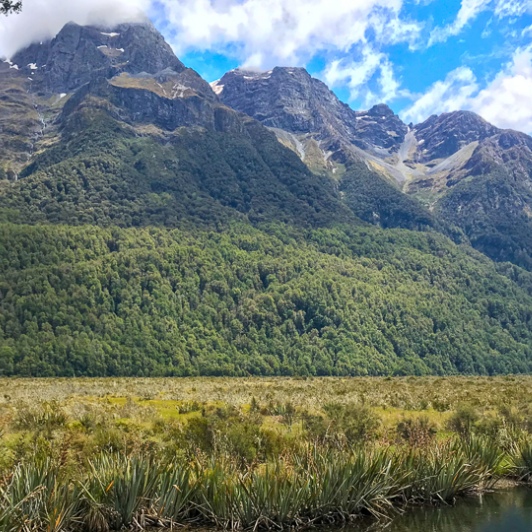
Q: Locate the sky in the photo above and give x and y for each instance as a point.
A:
(421, 57)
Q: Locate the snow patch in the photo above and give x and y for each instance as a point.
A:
(179, 91)
(421, 141)
(62, 95)
(33, 66)
(112, 34)
(14, 66)
(8, 62)
(104, 46)
(217, 87)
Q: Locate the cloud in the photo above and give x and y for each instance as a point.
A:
(451, 94)
(42, 19)
(506, 101)
(282, 32)
(512, 8)
(470, 9)
(357, 74)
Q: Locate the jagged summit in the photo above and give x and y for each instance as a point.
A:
(284, 98)
(290, 99)
(78, 54)
(445, 134)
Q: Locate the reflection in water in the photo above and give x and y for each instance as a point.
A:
(507, 511)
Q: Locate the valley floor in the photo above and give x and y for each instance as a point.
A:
(249, 453)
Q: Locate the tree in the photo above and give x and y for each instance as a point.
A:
(8, 6)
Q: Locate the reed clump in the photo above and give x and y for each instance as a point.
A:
(113, 491)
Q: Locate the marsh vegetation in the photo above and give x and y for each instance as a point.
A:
(105, 454)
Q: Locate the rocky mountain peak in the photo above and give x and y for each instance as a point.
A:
(290, 99)
(445, 134)
(283, 98)
(381, 128)
(78, 54)
(381, 109)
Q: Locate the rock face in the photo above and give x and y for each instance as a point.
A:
(290, 99)
(380, 127)
(441, 136)
(78, 54)
(130, 67)
(168, 100)
(286, 98)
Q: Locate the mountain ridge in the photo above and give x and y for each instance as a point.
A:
(433, 161)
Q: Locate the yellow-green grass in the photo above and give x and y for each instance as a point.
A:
(241, 441)
(378, 391)
(392, 400)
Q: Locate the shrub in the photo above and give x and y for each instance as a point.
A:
(463, 420)
(416, 431)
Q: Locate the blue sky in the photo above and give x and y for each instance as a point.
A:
(419, 56)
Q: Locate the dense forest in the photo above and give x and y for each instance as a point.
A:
(274, 300)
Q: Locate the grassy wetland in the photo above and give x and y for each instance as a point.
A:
(237, 453)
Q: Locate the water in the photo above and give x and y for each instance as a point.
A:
(505, 511)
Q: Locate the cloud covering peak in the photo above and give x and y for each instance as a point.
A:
(43, 19)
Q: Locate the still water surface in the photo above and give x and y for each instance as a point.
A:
(505, 511)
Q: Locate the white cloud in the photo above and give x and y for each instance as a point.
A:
(470, 9)
(283, 32)
(512, 8)
(506, 101)
(451, 94)
(42, 19)
(356, 75)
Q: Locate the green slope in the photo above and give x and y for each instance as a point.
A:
(155, 301)
(128, 249)
(494, 212)
(104, 172)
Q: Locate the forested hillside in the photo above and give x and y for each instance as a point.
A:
(96, 301)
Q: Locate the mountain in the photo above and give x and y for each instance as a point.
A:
(290, 99)
(480, 177)
(331, 139)
(141, 139)
(463, 170)
(148, 228)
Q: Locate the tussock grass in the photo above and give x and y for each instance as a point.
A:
(250, 454)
